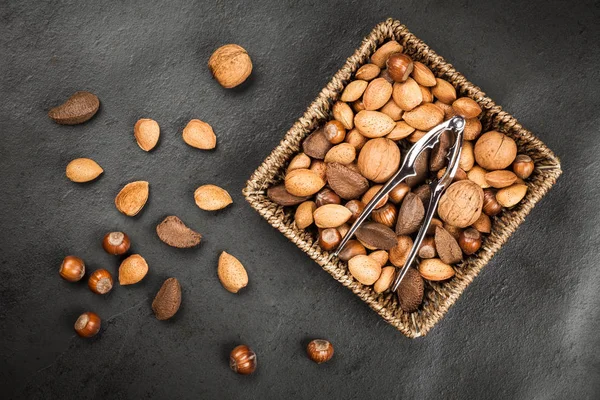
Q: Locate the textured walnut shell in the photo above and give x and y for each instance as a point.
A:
(316, 144)
(376, 235)
(147, 133)
(494, 150)
(447, 247)
(410, 215)
(410, 292)
(230, 65)
(347, 183)
(200, 135)
(78, 108)
(212, 197)
(279, 195)
(175, 233)
(461, 204)
(379, 159)
(168, 300)
(132, 270)
(231, 272)
(132, 198)
(83, 170)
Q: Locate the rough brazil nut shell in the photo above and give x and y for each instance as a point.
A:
(447, 247)
(410, 292)
(279, 195)
(231, 272)
(376, 235)
(316, 144)
(78, 108)
(230, 65)
(461, 204)
(168, 300)
(410, 215)
(83, 170)
(175, 233)
(348, 184)
(132, 198)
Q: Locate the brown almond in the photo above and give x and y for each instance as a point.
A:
(483, 223)
(407, 95)
(384, 51)
(472, 128)
(447, 247)
(231, 273)
(356, 139)
(304, 214)
(512, 195)
(279, 195)
(373, 124)
(352, 248)
(477, 175)
(146, 132)
(175, 233)
(331, 215)
(426, 94)
(83, 170)
(300, 161)
(367, 72)
(381, 256)
(354, 90)
(212, 198)
(200, 135)
(377, 93)
(347, 183)
(78, 108)
(466, 107)
(411, 290)
(369, 194)
(316, 144)
(364, 269)
(343, 153)
(400, 131)
(132, 198)
(467, 158)
(423, 75)
(392, 110)
(410, 215)
(303, 182)
(319, 167)
(444, 91)
(343, 112)
(168, 300)
(446, 108)
(501, 178)
(379, 159)
(385, 279)
(376, 235)
(434, 269)
(461, 203)
(132, 270)
(399, 253)
(424, 117)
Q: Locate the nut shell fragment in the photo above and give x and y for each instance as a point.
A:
(167, 300)
(132, 198)
(175, 233)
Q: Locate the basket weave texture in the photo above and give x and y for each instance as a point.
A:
(439, 296)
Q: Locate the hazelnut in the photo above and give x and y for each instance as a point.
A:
(523, 166)
(72, 269)
(242, 360)
(101, 281)
(427, 248)
(319, 350)
(358, 106)
(351, 249)
(397, 194)
(399, 66)
(88, 324)
(116, 243)
(334, 131)
(329, 238)
(230, 65)
(469, 241)
(327, 196)
(356, 207)
(386, 215)
(490, 205)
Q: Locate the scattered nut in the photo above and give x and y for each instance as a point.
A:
(147, 133)
(230, 65)
(88, 324)
(72, 269)
(231, 272)
(212, 198)
(319, 350)
(200, 135)
(132, 198)
(132, 270)
(175, 233)
(100, 282)
(116, 243)
(78, 108)
(83, 170)
(168, 300)
(242, 360)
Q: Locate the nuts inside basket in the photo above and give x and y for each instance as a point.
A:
(353, 138)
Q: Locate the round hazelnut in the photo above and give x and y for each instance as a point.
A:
(100, 282)
(242, 360)
(523, 166)
(469, 241)
(72, 269)
(319, 350)
(329, 238)
(230, 65)
(386, 215)
(327, 196)
(88, 324)
(116, 243)
(334, 131)
(427, 248)
(351, 249)
(399, 66)
(356, 207)
(491, 206)
(397, 194)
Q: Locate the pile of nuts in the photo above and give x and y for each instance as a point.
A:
(389, 105)
(230, 66)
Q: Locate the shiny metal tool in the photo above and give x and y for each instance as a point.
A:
(407, 169)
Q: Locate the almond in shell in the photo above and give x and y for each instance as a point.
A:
(501, 178)
(343, 153)
(147, 133)
(512, 195)
(466, 107)
(392, 110)
(373, 124)
(434, 269)
(304, 214)
(212, 198)
(377, 94)
(231, 272)
(444, 91)
(303, 182)
(423, 75)
(424, 117)
(354, 90)
(381, 55)
(132, 270)
(300, 161)
(364, 269)
(385, 279)
(331, 215)
(200, 135)
(407, 95)
(83, 170)
(132, 198)
(367, 72)
(343, 113)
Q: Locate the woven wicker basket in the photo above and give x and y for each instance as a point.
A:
(438, 296)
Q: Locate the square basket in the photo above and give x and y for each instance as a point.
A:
(439, 296)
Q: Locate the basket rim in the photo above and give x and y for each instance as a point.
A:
(548, 169)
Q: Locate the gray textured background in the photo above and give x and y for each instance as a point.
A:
(527, 328)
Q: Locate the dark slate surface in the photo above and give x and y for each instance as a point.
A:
(527, 328)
